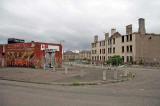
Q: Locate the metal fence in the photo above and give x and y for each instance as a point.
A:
(150, 61)
(98, 72)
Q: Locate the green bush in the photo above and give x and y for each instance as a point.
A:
(71, 60)
(115, 60)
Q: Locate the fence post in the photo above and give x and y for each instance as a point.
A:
(104, 75)
(115, 74)
(66, 70)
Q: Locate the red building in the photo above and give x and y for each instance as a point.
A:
(34, 54)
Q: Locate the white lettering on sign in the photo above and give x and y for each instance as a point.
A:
(49, 47)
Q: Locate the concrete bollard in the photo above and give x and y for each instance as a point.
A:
(82, 73)
(54, 69)
(126, 72)
(104, 75)
(66, 70)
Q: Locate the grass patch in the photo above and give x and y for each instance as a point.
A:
(81, 84)
(77, 84)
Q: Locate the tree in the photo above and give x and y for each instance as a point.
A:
(115, 60)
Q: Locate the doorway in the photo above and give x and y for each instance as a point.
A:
(49, 59)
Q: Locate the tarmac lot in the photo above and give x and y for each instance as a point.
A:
(144, 90)
(75, 74)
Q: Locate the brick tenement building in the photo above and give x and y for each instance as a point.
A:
(139, 47)
(69, 55)
(85, 55)
(81, 55)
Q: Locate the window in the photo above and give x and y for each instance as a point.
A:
(103, 51)
(92, 58)
(92, 45)
(127, 58)
(122, 49)
(122, 58)
(104, 58)
(122, 38)
(130, 48)
(131, 59)
(100, 51)
(113, 40)
(127, 38)
(130, 37)
(100, 43)
(114, 50)
(104, 43)
(110, 50)
(97, 57)
(127, 48)
(108, 42)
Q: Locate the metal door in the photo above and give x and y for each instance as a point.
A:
(52, 59)
(49, 57)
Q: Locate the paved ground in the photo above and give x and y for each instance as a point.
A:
(75, 74)
(142, 91)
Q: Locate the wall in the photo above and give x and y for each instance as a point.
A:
(148, 48)
(29, 55)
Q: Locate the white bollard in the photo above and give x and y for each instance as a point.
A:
(54, 69)
(126, 72)
(104, 75)
(66, 70)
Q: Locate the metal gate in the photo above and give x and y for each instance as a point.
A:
(49, 59)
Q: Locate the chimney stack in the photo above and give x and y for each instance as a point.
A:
(129, 29)
(106, 36)
(96, 38)
(113, 31)
(141, 29)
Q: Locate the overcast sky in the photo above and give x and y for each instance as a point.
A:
(74, 21)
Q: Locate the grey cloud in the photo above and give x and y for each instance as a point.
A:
(74, 21)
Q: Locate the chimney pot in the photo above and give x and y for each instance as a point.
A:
(113, 31)
(96, 38)
(141, 29)
(106, 36)
(129, 29)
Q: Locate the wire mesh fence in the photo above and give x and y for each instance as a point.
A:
(147, 61)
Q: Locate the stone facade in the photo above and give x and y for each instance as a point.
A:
(69, 55)
(81, 55)
(85, 55)
(132, 47)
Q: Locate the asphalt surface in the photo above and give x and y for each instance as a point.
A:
(75, 74)
(144, 90)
